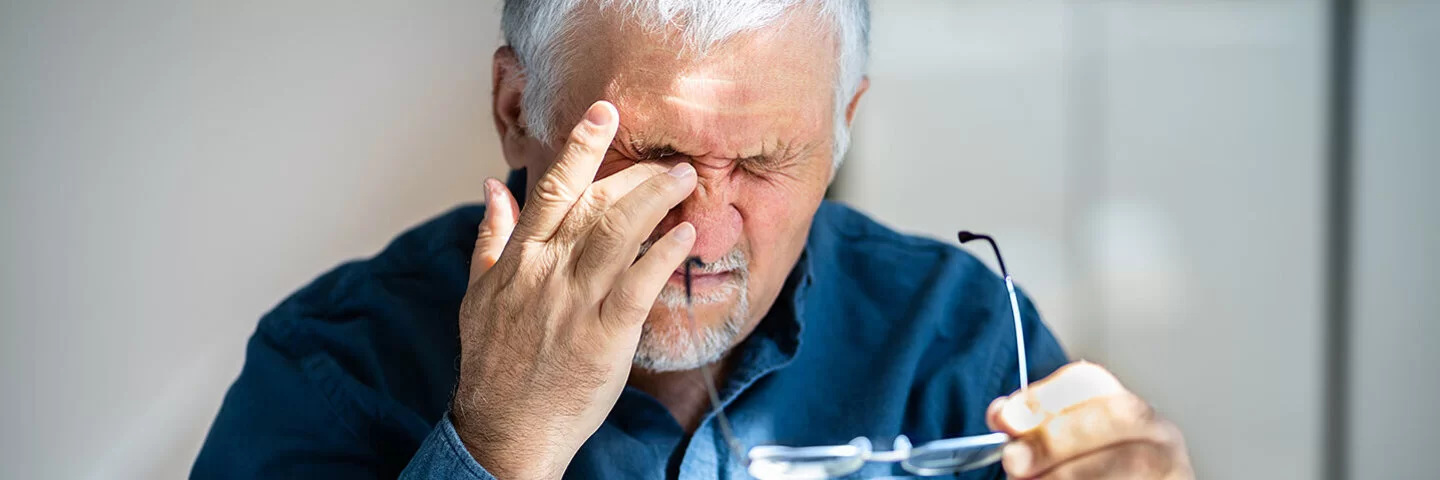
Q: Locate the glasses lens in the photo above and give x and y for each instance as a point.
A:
(955, 454)
(771, 462)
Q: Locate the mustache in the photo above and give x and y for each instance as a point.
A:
(734, 260)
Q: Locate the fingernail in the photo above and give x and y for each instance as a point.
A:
(489, 197)
(997, 403)
(681, 170)
(995, 406)
(598, 115)
(685, 232)
(1017, 457)
(1018, 416)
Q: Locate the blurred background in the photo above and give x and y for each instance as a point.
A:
(1232, 204)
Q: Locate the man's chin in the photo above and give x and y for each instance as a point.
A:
(666, 351)
(669, 342)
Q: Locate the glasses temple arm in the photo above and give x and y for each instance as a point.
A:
(967, 236)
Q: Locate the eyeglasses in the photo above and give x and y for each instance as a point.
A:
(939, 457)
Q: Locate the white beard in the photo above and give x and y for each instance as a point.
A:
(672, 346)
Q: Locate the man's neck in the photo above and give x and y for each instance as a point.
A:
(682, 393)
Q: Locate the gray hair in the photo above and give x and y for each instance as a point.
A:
(536, 30)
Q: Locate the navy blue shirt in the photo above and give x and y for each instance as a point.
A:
(875, 334)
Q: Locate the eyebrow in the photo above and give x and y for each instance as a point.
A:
(653, 152)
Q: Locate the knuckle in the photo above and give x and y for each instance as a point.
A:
(614, 224)
(624, 304)
(582, 143)
(623, 299)
(599, 196)
(1132, 407)
(550, 189)
(579, 136)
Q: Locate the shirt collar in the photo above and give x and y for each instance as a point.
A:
(776, 340)
(516, 183)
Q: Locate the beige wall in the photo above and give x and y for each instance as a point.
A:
(173, 169)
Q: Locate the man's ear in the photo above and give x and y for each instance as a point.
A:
(855, 101)
(506, 100)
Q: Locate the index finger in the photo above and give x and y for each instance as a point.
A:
(573, 171)
(1070, 386)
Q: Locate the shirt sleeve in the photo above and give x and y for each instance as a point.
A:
(443, 455)
(289, 415)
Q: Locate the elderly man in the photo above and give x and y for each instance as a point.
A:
(552, 338)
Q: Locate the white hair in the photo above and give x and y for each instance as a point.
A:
(537, 31)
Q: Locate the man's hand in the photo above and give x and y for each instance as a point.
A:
(554, 309)
(1081, 423)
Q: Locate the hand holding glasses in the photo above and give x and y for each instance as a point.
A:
(940, 457)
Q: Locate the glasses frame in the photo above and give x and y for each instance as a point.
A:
(776, 462)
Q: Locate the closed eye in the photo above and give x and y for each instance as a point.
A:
(654, 152)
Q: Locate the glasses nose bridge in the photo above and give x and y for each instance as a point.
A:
(899, 452)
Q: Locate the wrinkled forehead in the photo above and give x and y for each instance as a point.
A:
(775, 84)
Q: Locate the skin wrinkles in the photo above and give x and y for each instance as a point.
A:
(754, 117)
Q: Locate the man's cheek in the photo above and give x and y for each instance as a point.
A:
(778, 216)
(775, 229)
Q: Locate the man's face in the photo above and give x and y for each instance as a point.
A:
(755, 117)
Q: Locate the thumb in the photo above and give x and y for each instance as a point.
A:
(501, 212)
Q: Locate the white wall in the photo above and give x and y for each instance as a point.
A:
(172, 169)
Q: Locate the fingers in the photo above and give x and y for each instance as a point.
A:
(634, 293)
(1097, 424)
(609, 190)
(573, 171)
(1124, 460)
(992, 413)
(501, 213)
(1068, 387)
(1079, 419)
(603, 194)
(615, 240)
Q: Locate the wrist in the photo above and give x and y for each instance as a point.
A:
(503, 456)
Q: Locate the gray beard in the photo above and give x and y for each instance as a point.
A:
(678, 346)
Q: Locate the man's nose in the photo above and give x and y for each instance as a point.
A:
(711, 209)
